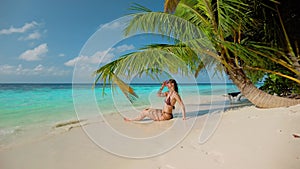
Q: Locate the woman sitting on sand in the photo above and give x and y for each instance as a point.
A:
(166, 113)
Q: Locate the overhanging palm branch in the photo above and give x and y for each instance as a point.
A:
(209, 29)
(164, 24)
(153, 60)
(108, 76)
(194, 32)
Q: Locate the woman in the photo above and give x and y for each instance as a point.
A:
(172, 97)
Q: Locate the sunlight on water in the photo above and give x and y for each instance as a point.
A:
(24, 107)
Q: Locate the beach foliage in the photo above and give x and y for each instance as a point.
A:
(238, 37)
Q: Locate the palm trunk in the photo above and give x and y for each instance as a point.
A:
(256, 96)
(296, 65)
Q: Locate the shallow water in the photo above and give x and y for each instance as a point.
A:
(35, 108)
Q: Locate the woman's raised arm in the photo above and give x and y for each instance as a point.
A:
(160, 93)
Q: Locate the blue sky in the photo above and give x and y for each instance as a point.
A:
(41, 40)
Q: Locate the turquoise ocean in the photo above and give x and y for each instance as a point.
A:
(30, 108)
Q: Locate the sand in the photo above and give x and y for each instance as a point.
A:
(244, 137)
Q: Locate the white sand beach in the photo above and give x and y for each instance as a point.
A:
(244, 138)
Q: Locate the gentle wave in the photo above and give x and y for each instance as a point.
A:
(4, 132)
(9, 132)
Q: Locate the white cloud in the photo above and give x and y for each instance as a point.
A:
(99, 57)
(37, 70)
(7, 69)
(96, 58)
(61, 55)
(32, 36)
(22, 29)
(35, 54)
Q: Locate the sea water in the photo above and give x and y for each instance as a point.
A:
(28, 108)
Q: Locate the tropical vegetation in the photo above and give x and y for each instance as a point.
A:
(246, 39)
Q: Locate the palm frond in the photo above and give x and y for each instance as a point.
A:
(126, 89)
(197, 57)
(138, 62)
(163, 23)
(181, 50)
(273, 72)
(153, 61)
(233, 16)
(139, 8)
(107, 75)
(198, 17)
(277, 60)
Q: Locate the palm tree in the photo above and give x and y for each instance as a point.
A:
(200, 27)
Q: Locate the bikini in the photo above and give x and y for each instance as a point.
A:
(169, 115)
(168, 102)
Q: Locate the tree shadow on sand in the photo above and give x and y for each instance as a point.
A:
(218, 106)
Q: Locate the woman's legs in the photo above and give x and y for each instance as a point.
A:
(141, 116)
(154, 114)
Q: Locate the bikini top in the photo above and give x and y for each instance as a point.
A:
(168, 101)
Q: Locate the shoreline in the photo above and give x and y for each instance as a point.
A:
(245, 137)
(16, 132)
(23, 136)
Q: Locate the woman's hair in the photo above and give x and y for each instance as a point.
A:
(175, 84)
